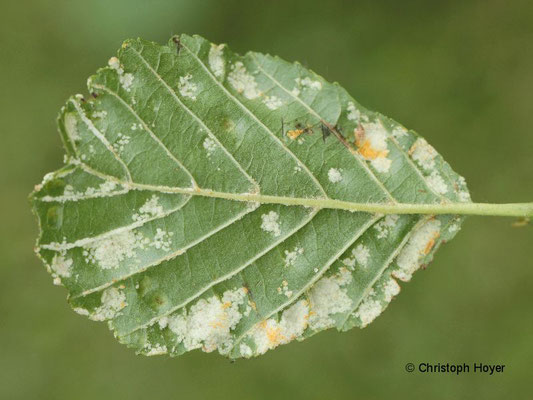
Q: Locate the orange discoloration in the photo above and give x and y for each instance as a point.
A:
(429, 246)
(294, 133)
(227, 304)
(431, 243)
(253, 305)
(274, 336)
(364, 147)
(366, 150)
(216, 324)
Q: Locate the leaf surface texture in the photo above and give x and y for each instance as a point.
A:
(170, 218)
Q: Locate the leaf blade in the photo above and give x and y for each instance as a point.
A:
(160, 157)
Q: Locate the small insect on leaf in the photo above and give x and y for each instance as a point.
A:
(187, 219)
(325, 132)
(177, 42)
(299, 129)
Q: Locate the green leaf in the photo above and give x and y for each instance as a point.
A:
(234, 203)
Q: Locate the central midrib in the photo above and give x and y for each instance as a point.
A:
(517, 209)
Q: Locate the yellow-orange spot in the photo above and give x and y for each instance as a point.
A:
(365, 149)
(253, 305)
(294, 133)
(217, 324)
(227, 304)
(431, 243)
(413, 148)
(274, 335)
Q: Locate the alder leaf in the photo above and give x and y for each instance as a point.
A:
(234, 203)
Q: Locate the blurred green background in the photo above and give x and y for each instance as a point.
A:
(459, 72)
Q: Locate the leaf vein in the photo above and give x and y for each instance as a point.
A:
(302, 223)
(101, 137)
(258, 122)
(147, 128)
(368, 171)
(195, 117)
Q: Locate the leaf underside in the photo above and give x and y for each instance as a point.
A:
(136, 226)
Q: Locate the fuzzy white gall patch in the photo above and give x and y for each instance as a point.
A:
(209, 322)
(126, 80)
(418, 246)
(353, 113)
(187, 87)
(462, 190)
(362, 255)
(150, 209)
(243, 82)
(121, 142)
(270, 333)
(272, 102)
(162, 240)
(209, 145)
(245, 350)
(270, 223)
(113, 300)
(71, 126)
(436, 183)
(308, 83)
(110, 251)
(334, 175)
(216, 60)
(385, 226)
(99, 114)
(81, 311)
(328, 297)
(423, 153)
(391, 288)
(292, 256)
(368, 310)
(155, 350)
(399, 132)
(371, 142)
(61, 265)
(454, 228)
